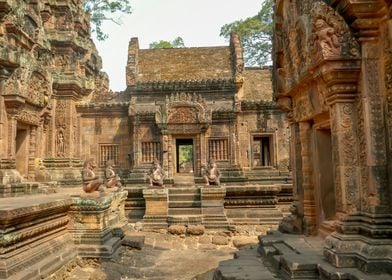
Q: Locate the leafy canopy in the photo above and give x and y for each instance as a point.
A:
(255, 33)
(105, 10)
(176, 43)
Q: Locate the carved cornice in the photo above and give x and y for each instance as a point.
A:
(249, 105)
(184, 85)
(103, 109)
(71, 85)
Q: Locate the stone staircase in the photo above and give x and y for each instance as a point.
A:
(184, 206)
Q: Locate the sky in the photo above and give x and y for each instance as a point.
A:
(198, 22)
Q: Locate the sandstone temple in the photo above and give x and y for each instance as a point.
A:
(197, 138)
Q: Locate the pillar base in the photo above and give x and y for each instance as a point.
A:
(363, 241)
(157, 207)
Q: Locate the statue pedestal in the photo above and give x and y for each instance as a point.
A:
(96, 222)
(157, 206)
(212, 208)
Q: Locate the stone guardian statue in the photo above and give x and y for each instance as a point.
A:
(212, 174)
(156, 175)
(91, 182)
(112, 180)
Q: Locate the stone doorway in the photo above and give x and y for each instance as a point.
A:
(324, 175)
(184, 156)
(21, 150)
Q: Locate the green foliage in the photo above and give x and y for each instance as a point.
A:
(103, 10)
(185, 153)
(176, 43)
(256, 34)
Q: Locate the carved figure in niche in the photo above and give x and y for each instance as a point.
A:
(327, 38)
(91, 182)
(156, 174)
(212, 174)
(60, 144)
(112, 180)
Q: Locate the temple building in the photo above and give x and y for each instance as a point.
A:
(198, 139)
(332, 75)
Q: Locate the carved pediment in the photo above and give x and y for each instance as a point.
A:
(311, 35)
(331, 36)
(183, 109)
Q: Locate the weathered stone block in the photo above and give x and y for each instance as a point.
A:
(195, 229)
(177, 229)
(135, 241)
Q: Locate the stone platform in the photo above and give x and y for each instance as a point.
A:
(41, 233)
(287, 256)
(217, 208)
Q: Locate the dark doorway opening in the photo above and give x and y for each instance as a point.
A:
(184, 152)
(21, 151)
(262, 151)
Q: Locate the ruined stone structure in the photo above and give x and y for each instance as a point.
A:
(332, 69)
(182, 108)
(48, 63)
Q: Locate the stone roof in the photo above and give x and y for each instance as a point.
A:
(177, 64)
(257, 84)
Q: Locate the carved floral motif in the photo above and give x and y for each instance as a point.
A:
(182, 115)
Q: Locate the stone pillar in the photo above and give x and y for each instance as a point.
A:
(212, 208)
(3, 115)
(374, 173)
(32, 153)
(345, 159)
(309, 207)
(165, 151)
(12, 123)
(363, 239)
(157, 208)
(96, 223)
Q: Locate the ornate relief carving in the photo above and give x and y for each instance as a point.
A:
(183, 108)
(331, 36)
(60, 143)
(39, 90)
(61, 107)
(182, 115)
(302, 108)
(29, 117)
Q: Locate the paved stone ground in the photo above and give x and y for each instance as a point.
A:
(166, 256)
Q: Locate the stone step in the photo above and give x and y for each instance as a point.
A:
(184, 197)
(185, 220)
(192, 190)
(185, 204)
(184, 211)
(242, 269)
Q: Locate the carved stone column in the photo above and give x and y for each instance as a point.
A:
(376, 198)
(32, 153)
(363, 239)
(12, 123)
(3, 116)
(345, 159)
(309, 207)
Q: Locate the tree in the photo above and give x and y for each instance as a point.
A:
(103, 10)
(176, 43)
(255, 33)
